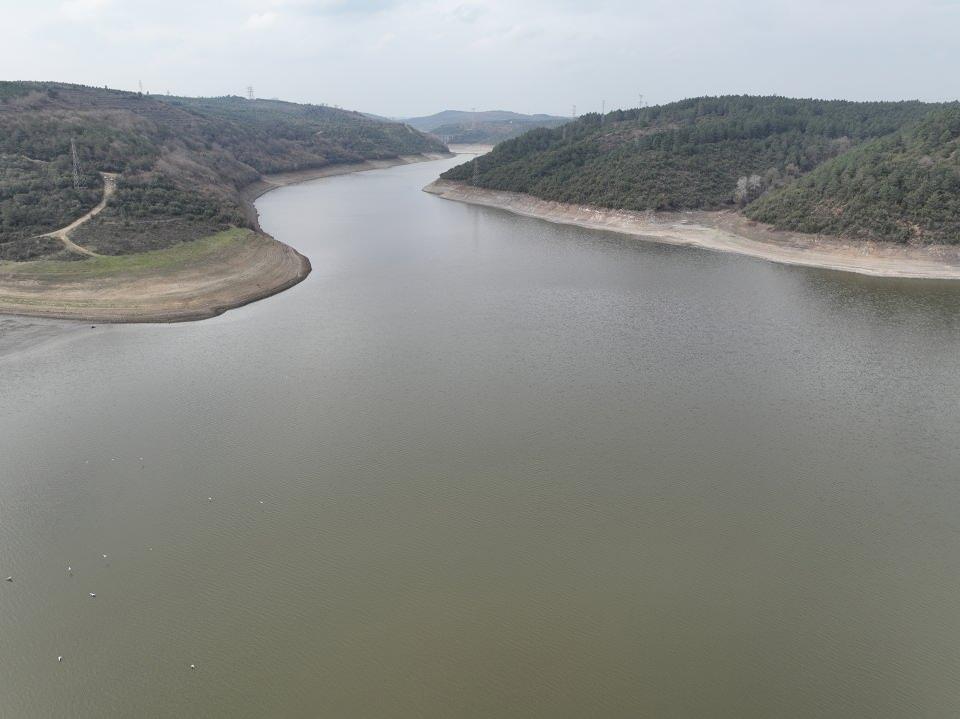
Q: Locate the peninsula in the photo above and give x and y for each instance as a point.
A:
(128, 207)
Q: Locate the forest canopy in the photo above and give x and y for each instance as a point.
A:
(797, 164)
(182, 162)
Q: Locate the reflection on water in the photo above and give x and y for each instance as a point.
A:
(23, 333)
(480, 465)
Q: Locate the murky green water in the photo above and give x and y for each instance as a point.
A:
(483, 466)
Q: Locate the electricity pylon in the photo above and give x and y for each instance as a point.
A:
(76, 164)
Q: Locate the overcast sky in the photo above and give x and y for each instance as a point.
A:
(413, 57)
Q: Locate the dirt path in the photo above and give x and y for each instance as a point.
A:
(63, 234)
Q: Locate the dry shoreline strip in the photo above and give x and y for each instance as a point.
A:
(725, 231)
(191, 281)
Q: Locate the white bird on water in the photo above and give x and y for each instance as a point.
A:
(59, 659)
(9, 579)
(193, 666)
(104, 556)
(92, 594)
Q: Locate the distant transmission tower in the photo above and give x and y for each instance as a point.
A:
(574, 115)
(603, 110)
(76, 164)
(250, 92)
(141, 86)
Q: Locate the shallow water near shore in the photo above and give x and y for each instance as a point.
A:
(478, 465)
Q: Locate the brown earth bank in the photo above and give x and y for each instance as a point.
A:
(188, 281)
(469, 149)
(725, 231)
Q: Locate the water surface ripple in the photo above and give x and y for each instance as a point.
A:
(482, 466)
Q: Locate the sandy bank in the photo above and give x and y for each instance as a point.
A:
(725, 231)
(470, 149)
(191, 281)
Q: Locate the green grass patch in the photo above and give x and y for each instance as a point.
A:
(186, 254)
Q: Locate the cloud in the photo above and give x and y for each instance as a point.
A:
(467, 13)
(339, 7)
(81, 9)
(411, 57)
(259, 21)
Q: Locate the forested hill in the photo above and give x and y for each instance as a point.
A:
(456, 117)
(486, 127)
(904, 187)
(181, 161)
(740, 151)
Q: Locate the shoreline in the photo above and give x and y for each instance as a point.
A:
(192, 281)
(470, 149)
(724, 231)
(267, 183)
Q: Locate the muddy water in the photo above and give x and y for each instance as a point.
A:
(483, 466)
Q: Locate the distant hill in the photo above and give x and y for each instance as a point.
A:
(862, 169)
(181, 162)
(487, 127)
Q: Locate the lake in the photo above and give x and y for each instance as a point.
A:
(478, 465)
